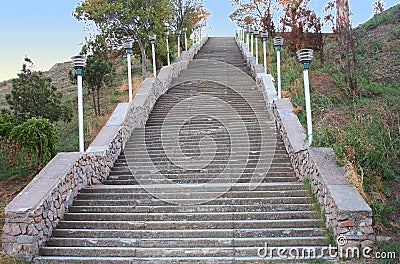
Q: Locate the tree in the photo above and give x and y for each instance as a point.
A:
(34, 95)
(347, 42)
(122, 19)
(342, 15)
(379, 6)
(255, 12)
(300, 20)
(187, 14)
(99, 69)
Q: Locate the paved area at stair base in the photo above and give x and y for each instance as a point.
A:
(165, 220)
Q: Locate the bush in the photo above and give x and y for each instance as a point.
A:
(38, 138)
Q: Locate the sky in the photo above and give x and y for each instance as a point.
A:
(46, 31)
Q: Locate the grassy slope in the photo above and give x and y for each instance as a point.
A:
(363, 129)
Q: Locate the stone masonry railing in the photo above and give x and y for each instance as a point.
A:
(346, 212)
(35, 212)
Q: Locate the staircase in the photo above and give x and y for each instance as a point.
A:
(206, 181)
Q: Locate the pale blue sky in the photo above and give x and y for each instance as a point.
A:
(46, 31)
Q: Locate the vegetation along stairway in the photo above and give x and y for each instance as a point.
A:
(207, 180)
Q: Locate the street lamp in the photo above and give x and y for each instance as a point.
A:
(186, 43)
(242, 38)
(264, 37)
(305, 56)
(278, 43)
(152, 39)
(128, 48)
(168, 58)
(78, 63)
(252, 41)
(178, 33)
(256, 33)
(248, 38)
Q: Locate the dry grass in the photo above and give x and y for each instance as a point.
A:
(355, 179)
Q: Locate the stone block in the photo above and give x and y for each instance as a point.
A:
(325, 161)
(118, 116)
(34, 194)
(348, 199)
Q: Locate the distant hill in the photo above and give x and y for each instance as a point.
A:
(59, 74)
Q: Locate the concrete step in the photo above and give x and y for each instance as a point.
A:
(189, 233)
(191, 209)
(184, 225)
(201, 216)
(208, 188)
(200, 180)
(194, 195)
(157, 252)
(218, 200)
(175, 260)
(186, 242)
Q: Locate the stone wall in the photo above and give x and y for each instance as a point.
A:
(35, 212)
(346, 212)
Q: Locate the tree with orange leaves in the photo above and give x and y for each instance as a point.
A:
(255, 12)
(188, 13)
(299, 20)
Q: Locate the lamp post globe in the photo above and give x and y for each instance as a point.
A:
(248, 37)
(185, 34)
(79, 63)
(166, 33)
(305, 56)
(128, 44)
(252, 41)
(256, 34)
(152, 39)
(278, 43)
(178, 34)
(264, 37)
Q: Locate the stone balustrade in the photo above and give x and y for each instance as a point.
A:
(346, 212)
(35, 212)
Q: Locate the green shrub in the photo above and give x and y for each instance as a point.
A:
(38, 138)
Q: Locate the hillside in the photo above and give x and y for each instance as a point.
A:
(59, 74)
(362, 126)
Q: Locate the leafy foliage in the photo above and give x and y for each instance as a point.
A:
(255, 12)
(98, 71)
(187, 14)
(34, 95)
(299, 19)
(37, 137)
(127, 19)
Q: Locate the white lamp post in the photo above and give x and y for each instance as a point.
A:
(152, 39)
(243, 39)
(128, 48)
(193, 37)
(168, 56)
(278, 42)
(178, 34)
(256, 33)
(264, 37)
(304, 56)
(252, 42)
(186, 43)
(248, 37)
(79, 62)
